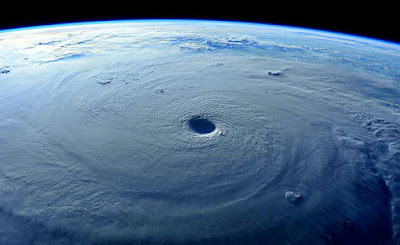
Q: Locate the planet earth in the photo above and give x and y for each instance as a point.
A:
(198, 132)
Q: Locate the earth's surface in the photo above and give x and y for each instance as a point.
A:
(198, 132)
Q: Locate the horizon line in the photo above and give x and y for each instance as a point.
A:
(107, 21)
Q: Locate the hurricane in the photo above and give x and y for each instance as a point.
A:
(198, 132)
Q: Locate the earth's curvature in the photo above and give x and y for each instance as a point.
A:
(198, 132)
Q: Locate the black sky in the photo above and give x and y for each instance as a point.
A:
(376, 20)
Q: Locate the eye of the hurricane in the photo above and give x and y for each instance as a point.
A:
(201, 125)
